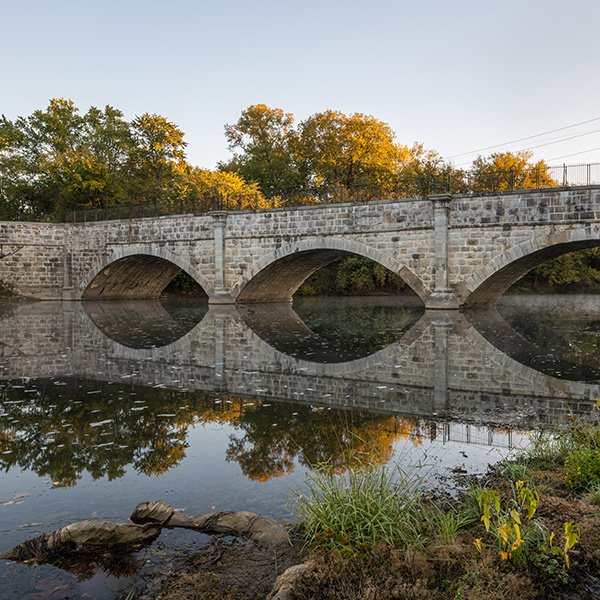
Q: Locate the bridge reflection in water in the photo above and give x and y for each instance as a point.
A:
(473, 365)
(447, 365)
(469, 378)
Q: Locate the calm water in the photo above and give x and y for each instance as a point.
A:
(104, 405)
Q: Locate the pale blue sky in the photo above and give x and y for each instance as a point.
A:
(455, 75)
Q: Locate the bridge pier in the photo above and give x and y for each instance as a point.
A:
(220, 294)
(442, 326)
(442, 297)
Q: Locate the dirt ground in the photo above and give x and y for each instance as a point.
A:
(226, 569)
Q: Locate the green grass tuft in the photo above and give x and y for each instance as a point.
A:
(361, 509)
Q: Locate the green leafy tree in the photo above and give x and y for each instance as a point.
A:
(157, 161)
(262, 141)
(35, 153)
(353, 275)
(56, 160)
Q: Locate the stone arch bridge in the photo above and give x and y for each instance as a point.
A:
(452, 251)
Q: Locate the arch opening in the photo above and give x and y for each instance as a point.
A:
(537, 334)
(281, 279)
(500, 281)
(137, 276)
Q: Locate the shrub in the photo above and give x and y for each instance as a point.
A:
(6, 289)
(583, 467)
(582, 460)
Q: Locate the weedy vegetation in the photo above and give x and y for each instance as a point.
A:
(530, 529)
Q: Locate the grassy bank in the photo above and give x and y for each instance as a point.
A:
(530, 529)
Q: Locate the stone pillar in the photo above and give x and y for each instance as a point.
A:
(68, 293)
(442, 296)
(222, 316)
(220, 295)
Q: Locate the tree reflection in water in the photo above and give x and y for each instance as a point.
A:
(49, 430)
(314, 436)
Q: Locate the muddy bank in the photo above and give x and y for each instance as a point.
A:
(228, 569)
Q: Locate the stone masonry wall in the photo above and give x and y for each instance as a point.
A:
(502, 228)
(32, 258)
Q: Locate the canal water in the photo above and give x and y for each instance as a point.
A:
(104, 405)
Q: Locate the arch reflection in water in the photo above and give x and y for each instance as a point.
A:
(147, 324)
(564, 332)
(333, 330)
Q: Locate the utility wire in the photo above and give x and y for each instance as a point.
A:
(571, 137)
(529, 137)
(574, 154)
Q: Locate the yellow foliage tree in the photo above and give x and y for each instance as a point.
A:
(504, 171)
(203, 188)
(349, 156)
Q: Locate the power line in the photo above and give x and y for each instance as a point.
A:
(571, 137)
(529, 137)
(574, 154)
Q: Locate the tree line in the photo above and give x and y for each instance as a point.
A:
(331, 156)
(59, 160)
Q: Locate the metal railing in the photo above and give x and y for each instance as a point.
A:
(451, 181)
(137, 211)
(497, 180)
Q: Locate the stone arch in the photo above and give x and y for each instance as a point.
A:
(276, 276)
(489, 283)
(136, 272)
